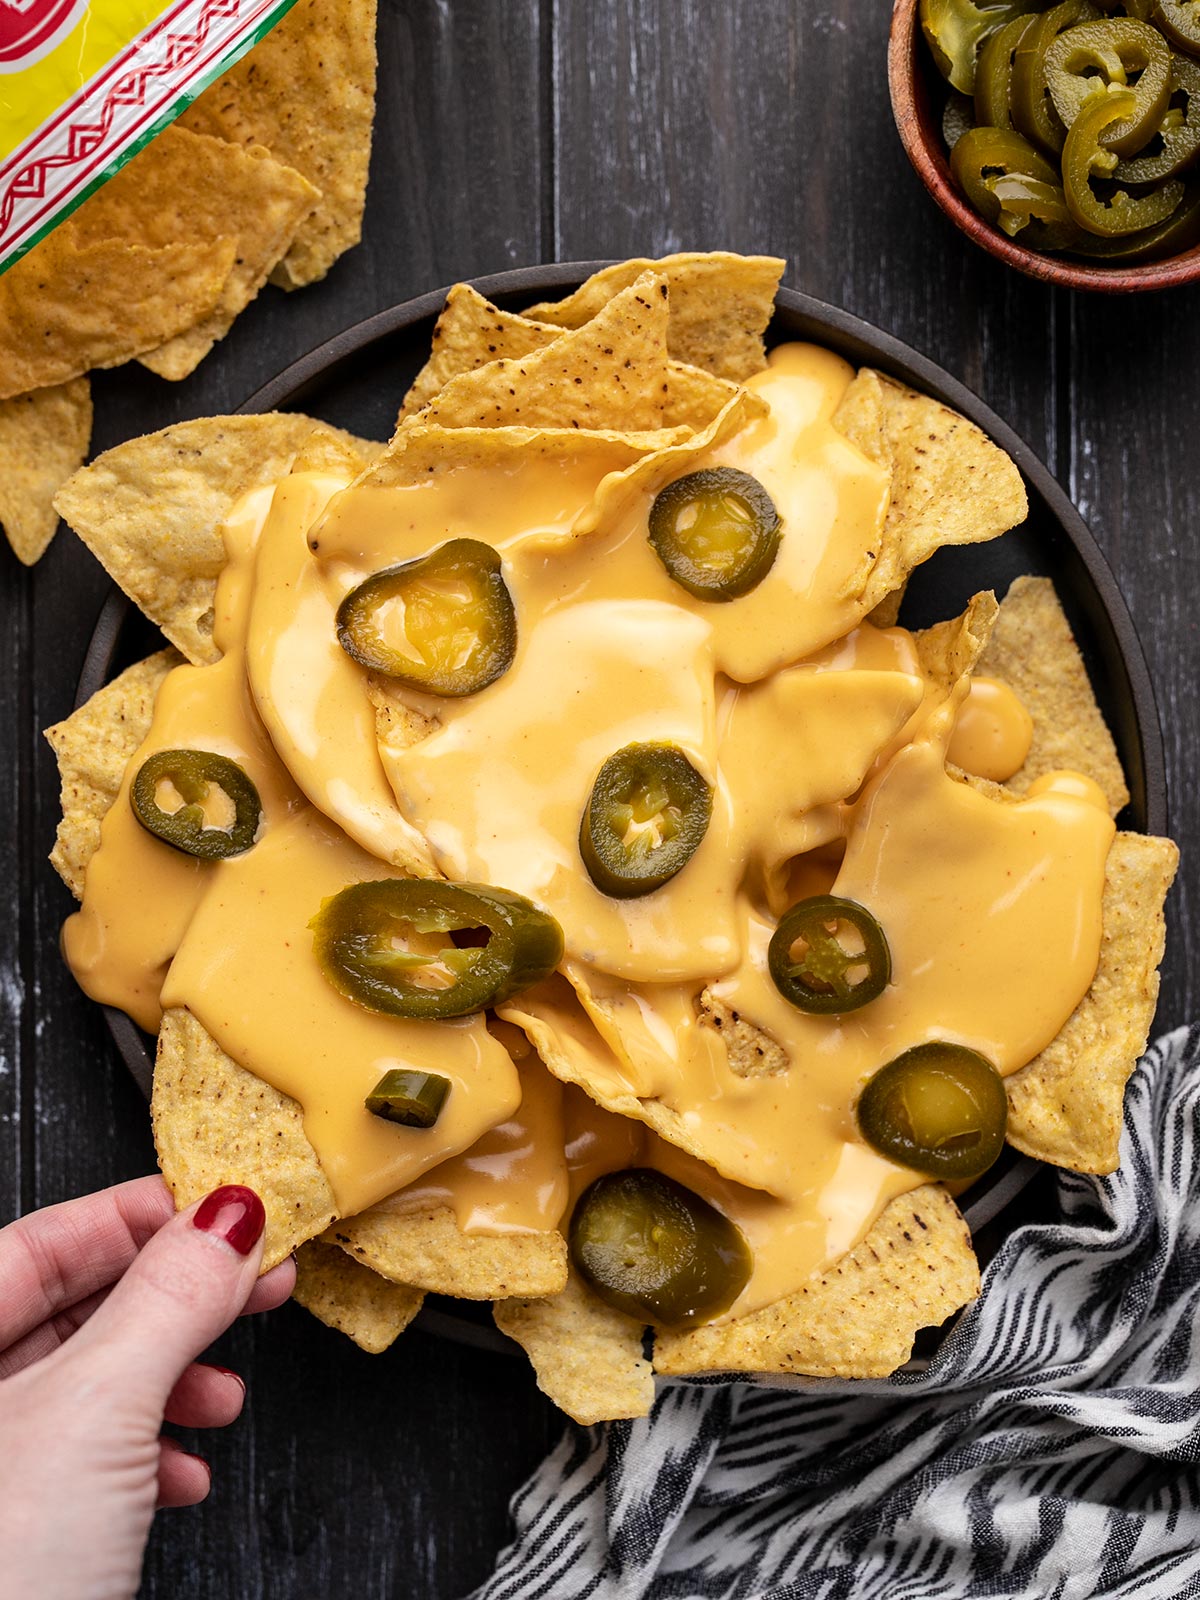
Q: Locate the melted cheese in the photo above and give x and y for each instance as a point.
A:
(307, 691)
(981, 901)
(993, 733)
(246, 969)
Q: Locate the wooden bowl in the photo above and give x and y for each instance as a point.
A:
(918, 93)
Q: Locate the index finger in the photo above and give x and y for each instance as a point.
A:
(54, 1258)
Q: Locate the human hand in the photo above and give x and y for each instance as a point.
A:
(104, 1304)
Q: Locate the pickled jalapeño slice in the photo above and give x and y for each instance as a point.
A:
(829, 955)
(647, 814)
(716, 532)
(411, 1098)
(939, 1108)
(444, 623)
(428, 950)
(657, 1251)
(198, 802)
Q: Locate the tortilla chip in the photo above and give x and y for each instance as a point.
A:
(341, 454)
(352, 1299)
(93, 747)
(421, 448)
(586, 1356)
(307, 92)
(914, 1268)
(1066, 1106)
(860, 416)
(44, 438)
(67, 307)
(186, 186)
(1033, 650)
(429, 1250)
(216, 1123)
(694, 397)
(610, 374)
(950, 483)
(471, 332)
(887, 613)
(151, 510)
(949, 651)
(720, 306)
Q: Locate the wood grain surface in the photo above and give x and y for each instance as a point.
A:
(511, 132)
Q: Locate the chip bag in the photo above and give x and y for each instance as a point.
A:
(84, 84)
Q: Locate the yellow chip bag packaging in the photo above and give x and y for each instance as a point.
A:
(84, 84)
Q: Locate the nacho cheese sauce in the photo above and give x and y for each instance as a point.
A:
(825, 740)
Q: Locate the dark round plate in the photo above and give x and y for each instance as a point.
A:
(358, 379)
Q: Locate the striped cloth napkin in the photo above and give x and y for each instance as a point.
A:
(1050, 1451)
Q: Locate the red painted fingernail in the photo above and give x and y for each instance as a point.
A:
(235, 1214)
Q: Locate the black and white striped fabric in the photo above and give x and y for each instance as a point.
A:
(1051, 1450)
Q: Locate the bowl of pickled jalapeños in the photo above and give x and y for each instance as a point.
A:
(1064, 138)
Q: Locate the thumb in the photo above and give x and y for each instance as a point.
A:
(187, 1285)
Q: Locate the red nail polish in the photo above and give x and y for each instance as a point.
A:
(235, 1214)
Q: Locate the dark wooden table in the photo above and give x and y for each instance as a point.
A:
(512, 132)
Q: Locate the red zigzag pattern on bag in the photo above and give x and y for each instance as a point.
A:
(84, 138)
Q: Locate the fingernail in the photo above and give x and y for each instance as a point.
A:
(235, 1214)
(226, 1372)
